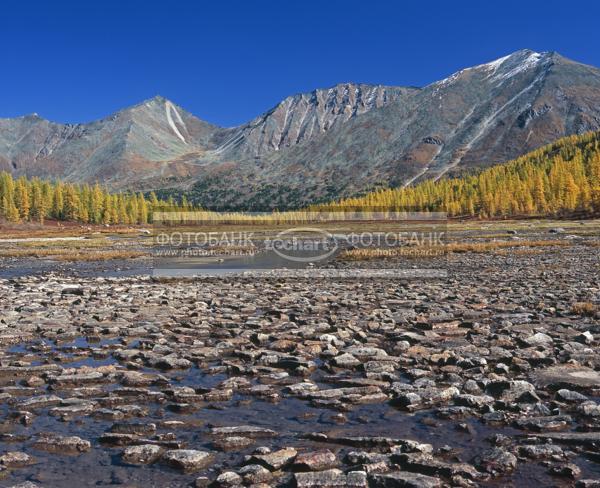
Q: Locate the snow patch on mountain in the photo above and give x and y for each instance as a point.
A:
(168, 108)
(531, 61)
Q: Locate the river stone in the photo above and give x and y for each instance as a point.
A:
(321, 479)
(244, 431)
(315, 461)
(496, 461)
(540, 451)
(66, 445)
(232, 443)
(142, 454)
(569, 377)
(403, 479)
(227, 479)
(590, 409)
(137, 428)
(15, 459)
(255, 473)
(187, 460)
(275, 460)
(568, 470)
(513, 391)
(570, 396)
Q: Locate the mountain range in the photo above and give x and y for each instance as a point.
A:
(325, 144)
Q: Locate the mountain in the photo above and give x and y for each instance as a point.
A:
(324, 144)
(559, 179)
(146, 140)
(301, 117)
(157, 142)
(477, 117)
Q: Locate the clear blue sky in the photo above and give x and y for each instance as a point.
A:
(228, 61)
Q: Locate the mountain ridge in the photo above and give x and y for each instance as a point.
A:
(323, 144)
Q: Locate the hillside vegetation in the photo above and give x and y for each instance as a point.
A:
(36, 200)
(562, 178)
(558, 179)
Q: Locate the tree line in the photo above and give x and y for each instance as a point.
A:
(558, 179)
(35, 200)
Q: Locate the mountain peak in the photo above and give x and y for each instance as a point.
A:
(157, 101)
(516, 62)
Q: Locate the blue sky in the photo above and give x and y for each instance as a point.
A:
(228, 61)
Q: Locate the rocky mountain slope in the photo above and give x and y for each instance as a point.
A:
(301, 117)
(327, 143)
(151, 138)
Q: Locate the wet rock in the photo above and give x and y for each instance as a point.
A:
(404, 479)
(171, 362)
(397, 444)
(568, 470)
(426, 464)
(15, 459)
(539, 424)
(133, 378)
(326, 479)
(513, 391)
(187, 460)
(136, 428)
(538, 339)
(228, 478)
(70, 412)
(34, 381)
(42, 401)
(62, 445)
(315, 461)
(496, 461)
(570, 396)
(568, 377)
(118, 439)
(421, 398)
(588, 484)
(275, 460)
(243, 431)
(590, 409)
(363, 457)
(142, 454)
(588, 439)
(357, 479)
(540, 451)
(66, 380)
(346, 360)
(202, 482)
(255, 473)
(233, 443)
(476, 401)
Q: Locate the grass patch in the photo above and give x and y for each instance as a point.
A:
(70, 254)
(585, 309)
(82, 244)
(517, 247)
(479, 247)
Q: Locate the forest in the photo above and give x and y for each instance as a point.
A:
(559, 179)
(562, 178)
(35, 200)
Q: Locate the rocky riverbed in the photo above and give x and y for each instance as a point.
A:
(490, 377)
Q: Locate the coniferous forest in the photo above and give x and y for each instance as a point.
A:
(35, 200)
(559, 179)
